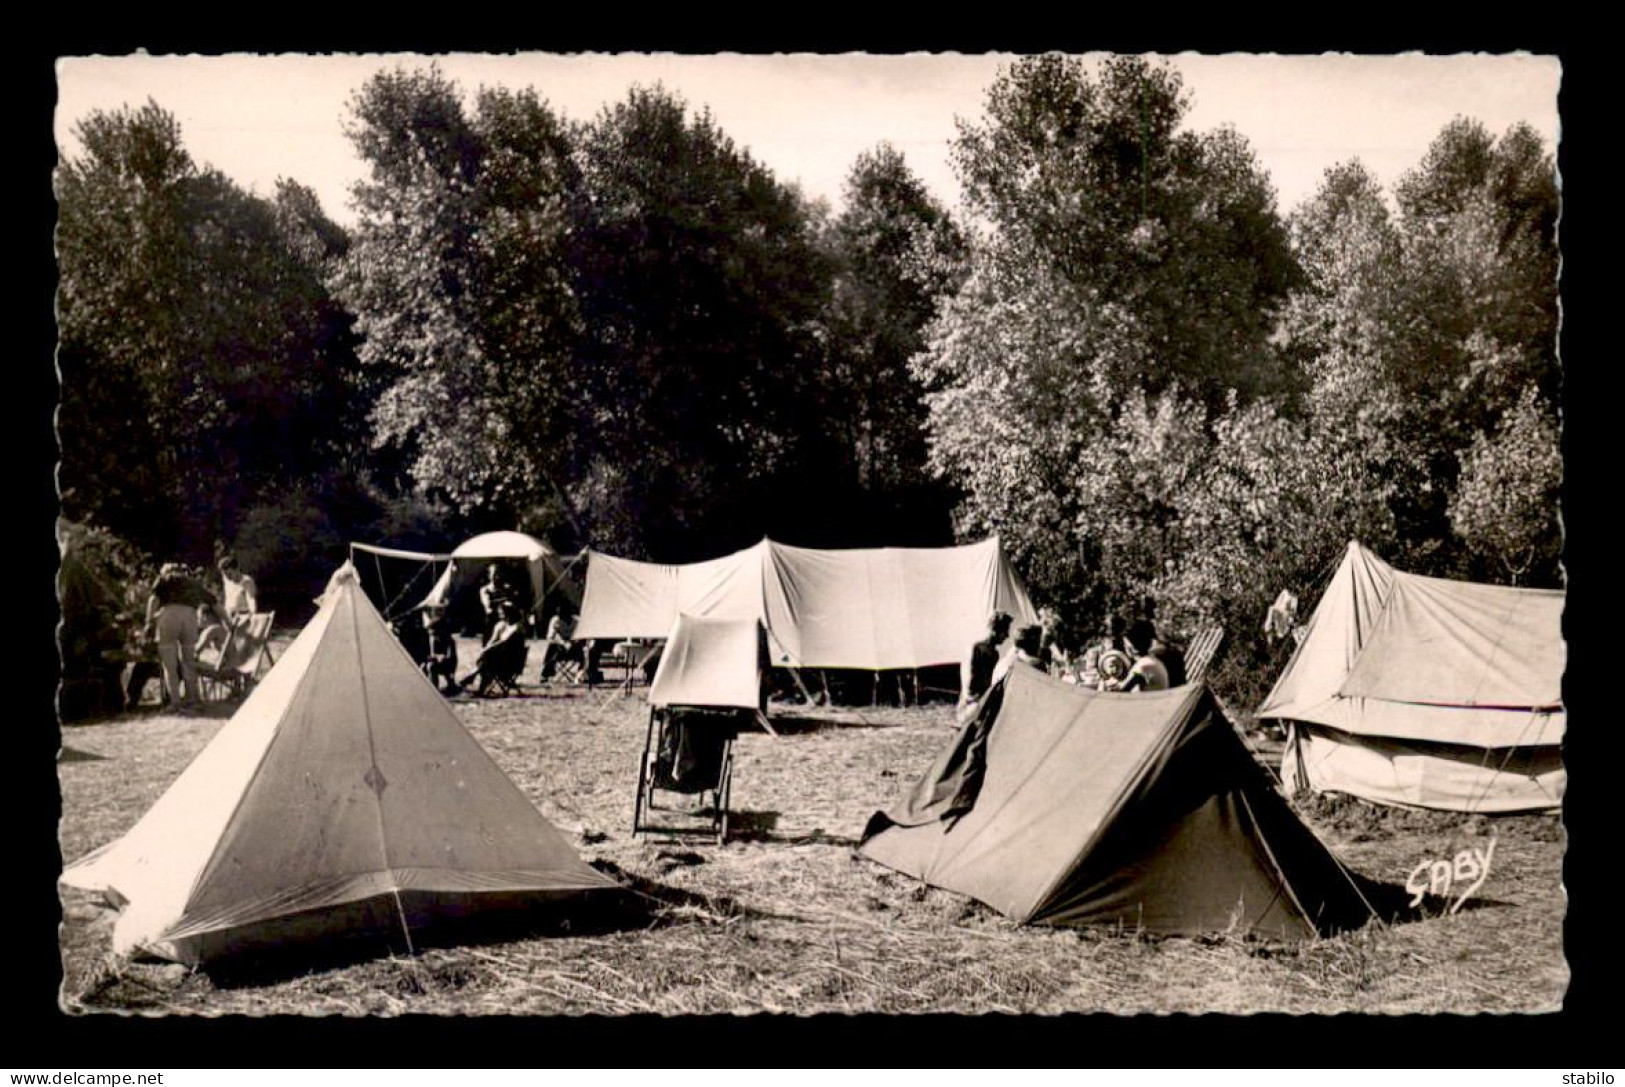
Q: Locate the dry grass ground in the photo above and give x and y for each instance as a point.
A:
(787, 918)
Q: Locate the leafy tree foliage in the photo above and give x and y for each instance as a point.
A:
(103, 585)
(1176, 230)
(1506, 506)
(701, 287)
(628, 333)
(194, 336)
(894, 252)
(1157, 391)
(1121, 287)
(458, 280)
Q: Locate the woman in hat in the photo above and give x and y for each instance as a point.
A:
(172, 611)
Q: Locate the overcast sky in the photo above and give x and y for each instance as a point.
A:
(807, 117)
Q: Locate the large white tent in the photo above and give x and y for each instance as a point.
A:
(868, 608)
(548, 573)
(343, 800)
(1425, 692)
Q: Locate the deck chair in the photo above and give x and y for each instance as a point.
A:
(706, 690)
(688, 750)
(1200, 654)
(232, 671)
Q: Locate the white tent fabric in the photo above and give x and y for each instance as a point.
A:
(869, 608)
(1427, 692)
(343, 787)
(469, 560)
(710, 662)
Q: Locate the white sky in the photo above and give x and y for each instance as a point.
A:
(807, 117)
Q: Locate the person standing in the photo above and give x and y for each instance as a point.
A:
(492, 594)
(238, 594)
(239, 599)
(440, 663)
(172, 614)
(976, 670)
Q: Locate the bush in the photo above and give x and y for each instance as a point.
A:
(102, 589)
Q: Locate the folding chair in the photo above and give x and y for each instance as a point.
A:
(707, 688)
(1204, 648)
(688, 750)
(502, 672)
(567, 662)
(245, 655)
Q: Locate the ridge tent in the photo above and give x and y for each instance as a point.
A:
(865, 608)
(344, 799)
(548, 573)
(1424, 692)
(1060, 805)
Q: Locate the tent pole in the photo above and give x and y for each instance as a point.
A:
(795, 674)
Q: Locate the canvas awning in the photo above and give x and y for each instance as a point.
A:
(870, 608)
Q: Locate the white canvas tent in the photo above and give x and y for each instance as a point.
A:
(1425, 692)
(710, 662)
(867, 608)
(548, 573)
(343, 799)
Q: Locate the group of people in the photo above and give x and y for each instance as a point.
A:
(186, 616)
(504, 642)
(1127, 657)
(431, 644)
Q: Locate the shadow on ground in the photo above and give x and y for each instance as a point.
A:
(801, 724)
(639, 903)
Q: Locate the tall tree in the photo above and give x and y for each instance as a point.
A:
(701, 289)
(1093, 177)
(1124, 278)
(895, 251)
(192, 372)
(458, 279)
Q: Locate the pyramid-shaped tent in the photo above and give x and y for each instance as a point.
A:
(1061, 805)
(343, 799)
(1426, 692)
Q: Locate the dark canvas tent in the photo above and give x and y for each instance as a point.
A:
(1061, 805)
(1425, 692)
(343, 799)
